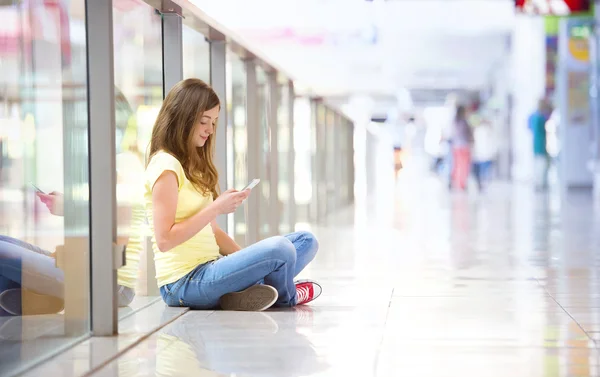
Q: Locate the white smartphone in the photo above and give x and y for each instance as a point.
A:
(251, 185)
(37, 189)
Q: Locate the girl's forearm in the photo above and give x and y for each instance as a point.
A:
(226, 244)
(183, 231)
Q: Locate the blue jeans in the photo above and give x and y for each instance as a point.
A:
(40, 272)
(274, 261)
(482, 171)
(448, 164)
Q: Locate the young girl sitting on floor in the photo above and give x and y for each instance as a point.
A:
(198, 265)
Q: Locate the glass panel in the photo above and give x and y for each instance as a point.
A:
(349, 182)
(265, 154)
(330, 161)
(320, 160)
(350, 162)
(344, 166)
(44, 181)
(196, 55)
(236, 107)
(303, 168)
(139, 93)
(284, 151)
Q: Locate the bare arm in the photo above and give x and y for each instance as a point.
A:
(164, 201)
(124, 216)
(226, 244)
(55, 204)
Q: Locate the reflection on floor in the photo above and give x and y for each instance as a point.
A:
(22, 338)
(426, 284)
(93, 353)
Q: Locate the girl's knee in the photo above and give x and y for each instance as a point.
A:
(282, 248)
(312, 244)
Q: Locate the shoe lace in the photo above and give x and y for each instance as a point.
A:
(302, 294)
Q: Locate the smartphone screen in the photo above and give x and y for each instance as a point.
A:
(37, 188)
(251, 185)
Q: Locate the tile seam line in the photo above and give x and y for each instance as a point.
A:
(147, 305)
(379, 346)
(568, 313)
(132, 345)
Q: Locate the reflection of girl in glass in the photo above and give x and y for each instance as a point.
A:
(197, 264)
(30, 281)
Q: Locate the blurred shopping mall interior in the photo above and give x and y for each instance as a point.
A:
(445, 154)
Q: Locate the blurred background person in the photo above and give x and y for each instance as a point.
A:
(484, 153)
(396, 132)
(462, 141)
(537, 126)
(397, 159)
(435, 146)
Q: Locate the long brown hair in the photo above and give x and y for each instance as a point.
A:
(174, 129)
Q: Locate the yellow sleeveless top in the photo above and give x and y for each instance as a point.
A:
(174, 264)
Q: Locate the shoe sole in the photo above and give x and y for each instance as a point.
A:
(34, 304)
(255, 299)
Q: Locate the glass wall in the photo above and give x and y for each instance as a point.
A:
(324, 155)
(320, 160)
(283, 134)
(44, 192)
(138, 97)
(348, 153)
(345, 132)
(331, 160)
(196, 55)
(304, 147)
(264, 188)
(236, 117)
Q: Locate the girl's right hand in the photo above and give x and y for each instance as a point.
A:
(54, 202)
(228, 201)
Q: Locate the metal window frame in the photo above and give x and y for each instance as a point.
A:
(172, 50)
(102, 151)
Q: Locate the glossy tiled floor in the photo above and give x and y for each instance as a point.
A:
(416, 283)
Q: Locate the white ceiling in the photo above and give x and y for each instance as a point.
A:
(339, 47)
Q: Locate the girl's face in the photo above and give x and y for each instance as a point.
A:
(205, 126)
